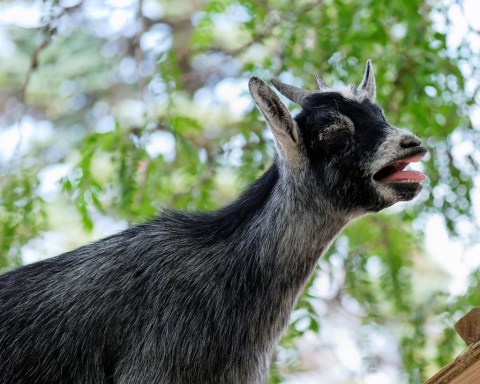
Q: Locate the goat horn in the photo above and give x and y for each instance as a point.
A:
(368, 81)
(322, 85)
(291, 92)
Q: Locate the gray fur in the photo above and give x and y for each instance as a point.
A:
(203, 298)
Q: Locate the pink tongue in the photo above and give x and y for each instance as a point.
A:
(404, 175)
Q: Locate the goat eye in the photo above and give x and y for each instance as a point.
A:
(335, 142)
(340, 127)
(337, 134)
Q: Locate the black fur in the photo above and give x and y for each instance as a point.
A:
(191, 298)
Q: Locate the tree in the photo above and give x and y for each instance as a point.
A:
(144, 105)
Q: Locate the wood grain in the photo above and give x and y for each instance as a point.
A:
(465, 369)
(468, 327)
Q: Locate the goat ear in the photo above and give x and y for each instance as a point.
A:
(368, 82)
(278, 118)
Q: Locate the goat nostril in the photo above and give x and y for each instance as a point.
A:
(409, 141)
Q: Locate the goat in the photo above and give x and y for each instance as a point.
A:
(203, 298)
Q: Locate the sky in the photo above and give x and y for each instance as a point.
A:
(456, 257)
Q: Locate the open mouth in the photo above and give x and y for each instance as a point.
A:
(395, 171)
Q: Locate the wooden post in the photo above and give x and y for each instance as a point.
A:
(465, 369)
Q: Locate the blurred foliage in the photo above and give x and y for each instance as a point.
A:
(140, 103)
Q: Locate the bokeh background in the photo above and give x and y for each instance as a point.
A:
(110, 110)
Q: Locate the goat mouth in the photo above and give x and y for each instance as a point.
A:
(395, 172)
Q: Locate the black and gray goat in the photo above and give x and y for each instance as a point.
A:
(203, 298)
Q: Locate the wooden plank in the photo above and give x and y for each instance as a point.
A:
(465, 369)
(468, 327)
(469, 376)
